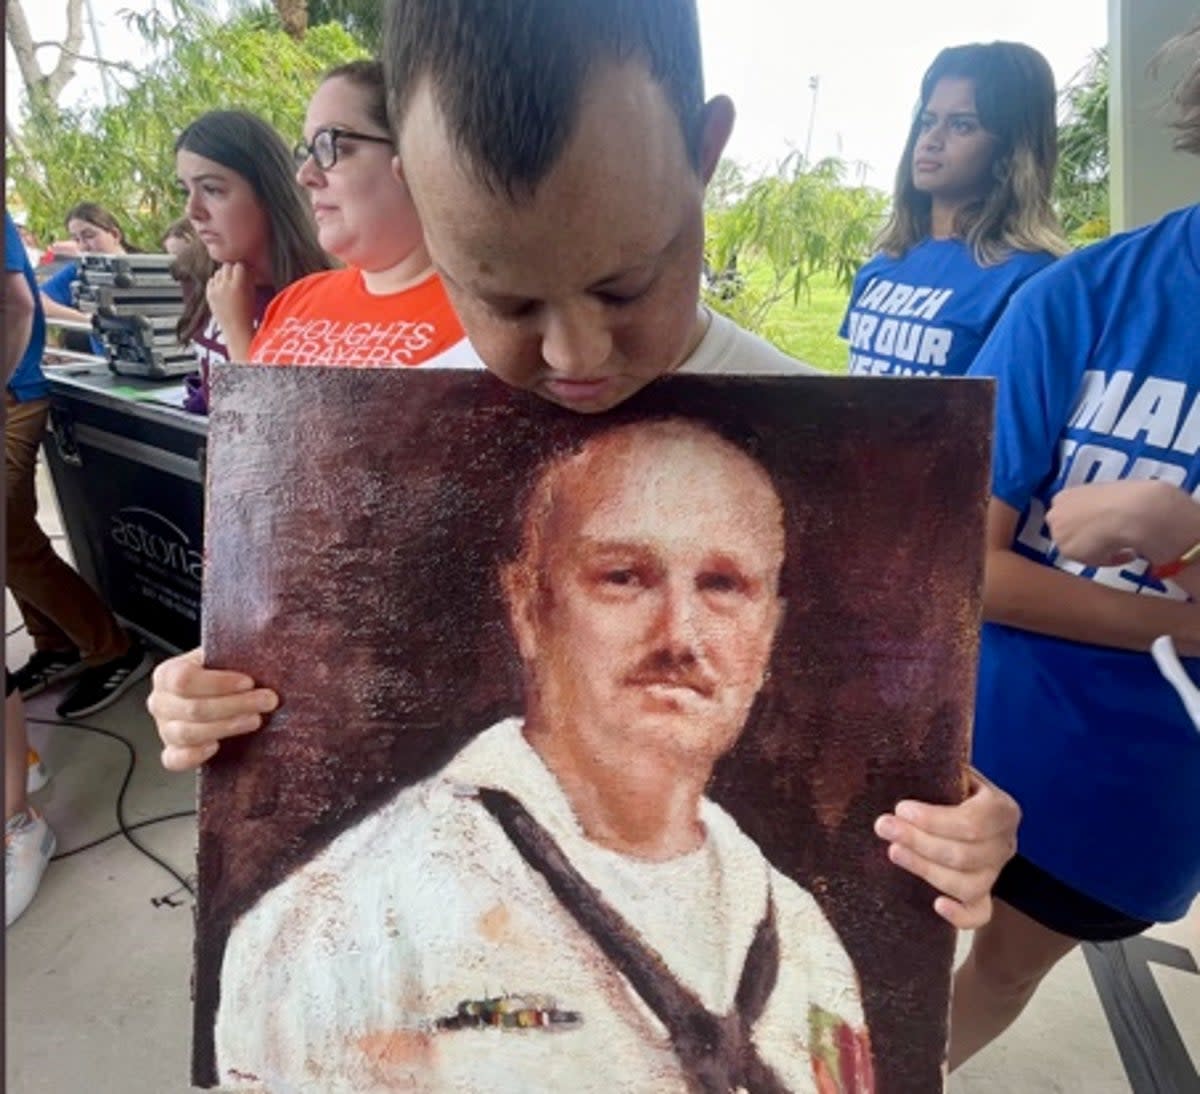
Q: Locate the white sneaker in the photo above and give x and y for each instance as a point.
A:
(28, 845)
(37, 775)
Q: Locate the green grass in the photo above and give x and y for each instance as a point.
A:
(808, 329)
(805, 328)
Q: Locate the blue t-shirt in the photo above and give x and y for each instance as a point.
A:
(58, 289)
(1098, 364)
(928, 312)
(27, 382)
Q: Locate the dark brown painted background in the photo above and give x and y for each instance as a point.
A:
(355, 518)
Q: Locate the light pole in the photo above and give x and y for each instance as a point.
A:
(814, 85)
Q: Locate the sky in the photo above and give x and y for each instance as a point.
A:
(867, 55)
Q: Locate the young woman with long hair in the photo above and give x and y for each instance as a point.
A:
(971, 217)
(251, 216)
(94, 230)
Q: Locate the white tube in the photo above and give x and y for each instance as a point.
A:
(1169, 665)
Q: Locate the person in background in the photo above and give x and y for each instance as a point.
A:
(251, 216)
(192, 268)
(95, 231)
(73, 631)
(179, 236)
(387, 307)
(971, 215)
(28, 840)
(1098, 384)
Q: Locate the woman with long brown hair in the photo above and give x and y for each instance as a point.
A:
(94, 230)
(971, 216)
(255, 224)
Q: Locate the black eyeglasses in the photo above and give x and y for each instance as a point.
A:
(324, 146)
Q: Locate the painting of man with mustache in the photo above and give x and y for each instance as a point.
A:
(572, 786)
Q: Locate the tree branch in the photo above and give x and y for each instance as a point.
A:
(43, 87)
(64, 70)
(121, 66)
(21, 40)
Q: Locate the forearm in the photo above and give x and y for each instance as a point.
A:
(55, 310)
(1022, 593)
(238, 337)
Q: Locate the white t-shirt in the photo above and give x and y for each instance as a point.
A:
(725, 349)
(729, 350)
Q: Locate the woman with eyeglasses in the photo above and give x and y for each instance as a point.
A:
(971, 216)
(247, 210)
(387, 307)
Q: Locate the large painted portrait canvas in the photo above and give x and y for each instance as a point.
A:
(585, 723)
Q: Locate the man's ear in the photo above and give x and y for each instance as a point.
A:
(717, 125)
(519, 585)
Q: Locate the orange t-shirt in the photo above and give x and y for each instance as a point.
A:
(329, 318)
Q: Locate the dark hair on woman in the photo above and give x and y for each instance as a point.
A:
(98, 217)
(509, 75)
(367, 76)
(251, 148)
(1015, 100)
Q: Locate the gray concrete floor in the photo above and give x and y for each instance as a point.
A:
(98, 969)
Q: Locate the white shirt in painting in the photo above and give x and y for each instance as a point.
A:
(355, 972)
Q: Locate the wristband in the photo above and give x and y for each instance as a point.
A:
(1170, 569)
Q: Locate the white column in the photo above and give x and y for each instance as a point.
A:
(1148, 178)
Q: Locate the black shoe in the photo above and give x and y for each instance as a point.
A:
(102, 685)
(44, 668)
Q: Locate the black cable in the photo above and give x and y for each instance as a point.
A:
(113, 835)
(124, 828)
(18, 627)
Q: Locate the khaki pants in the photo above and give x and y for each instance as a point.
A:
(60, 609)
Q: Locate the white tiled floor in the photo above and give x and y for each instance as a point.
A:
(98, 969)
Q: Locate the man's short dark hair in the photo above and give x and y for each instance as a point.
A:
(508, 75)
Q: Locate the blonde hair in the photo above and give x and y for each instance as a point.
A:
(1015, 98)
